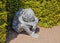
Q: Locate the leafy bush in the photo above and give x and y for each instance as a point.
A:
(47, 11)
(3, 20)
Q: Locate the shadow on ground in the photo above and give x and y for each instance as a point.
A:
(12, 34)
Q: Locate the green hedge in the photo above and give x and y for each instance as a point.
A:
(47, 11)
(3, 21)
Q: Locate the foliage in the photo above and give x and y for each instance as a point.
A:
(3, 20)
(47, 11)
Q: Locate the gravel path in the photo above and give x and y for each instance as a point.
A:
(51, 35)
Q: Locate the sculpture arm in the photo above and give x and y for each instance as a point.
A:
(36, 20)
(35, 24)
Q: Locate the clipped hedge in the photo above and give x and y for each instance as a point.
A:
(47, 11)
(3, 21)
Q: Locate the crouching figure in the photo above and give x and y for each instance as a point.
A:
(24, 20)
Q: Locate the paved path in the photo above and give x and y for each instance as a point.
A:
(45, 36)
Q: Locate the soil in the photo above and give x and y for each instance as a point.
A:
(48, 35)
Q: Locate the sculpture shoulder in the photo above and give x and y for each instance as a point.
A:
(19, 13)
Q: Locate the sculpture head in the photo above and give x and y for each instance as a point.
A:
(28, 14)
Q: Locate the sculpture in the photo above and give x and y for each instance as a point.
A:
(24, 20)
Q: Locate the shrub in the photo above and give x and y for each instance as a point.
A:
(3, 20)
(47, 11)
